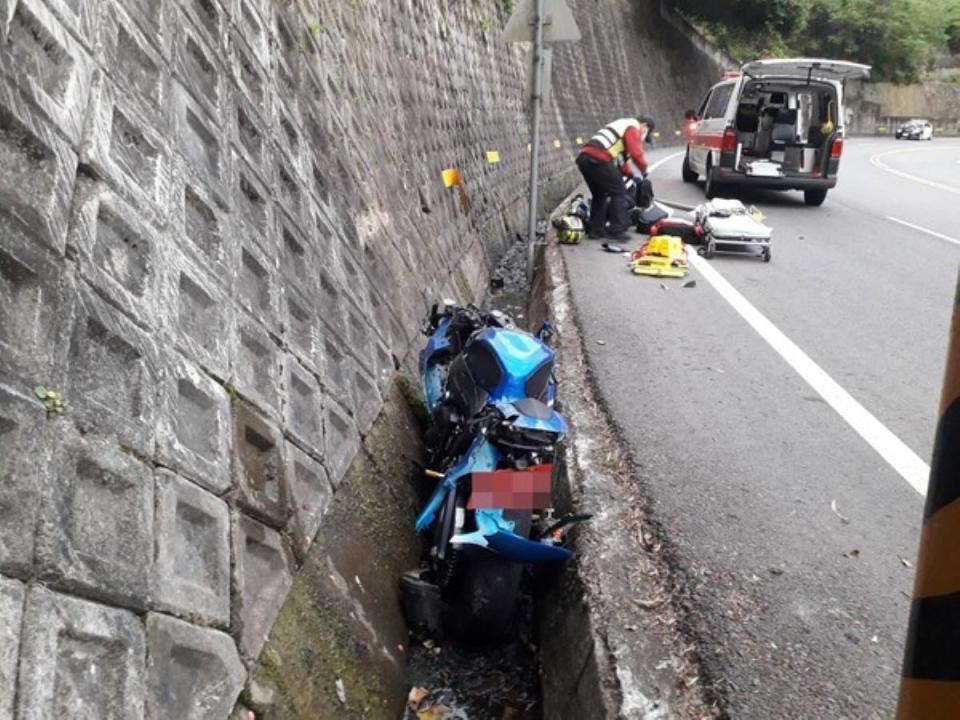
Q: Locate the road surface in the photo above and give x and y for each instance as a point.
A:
(782, 416)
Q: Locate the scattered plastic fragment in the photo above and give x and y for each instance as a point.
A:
(341, 692)
(690, 284)
(843, 518)
(416, 696)
(852, 554)
(906, 563)
(648, 604)
(434, 712)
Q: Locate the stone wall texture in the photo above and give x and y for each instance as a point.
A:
(220, 224)
(877, 108)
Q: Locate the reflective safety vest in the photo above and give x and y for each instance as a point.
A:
(610, 138)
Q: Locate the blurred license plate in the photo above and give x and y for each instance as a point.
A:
(512, 489)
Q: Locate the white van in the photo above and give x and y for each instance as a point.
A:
(774, 124)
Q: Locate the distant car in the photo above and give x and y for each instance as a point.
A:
(915, 130)
(774, 124)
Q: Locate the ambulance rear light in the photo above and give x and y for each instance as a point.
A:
(836, 150)
(729, 142)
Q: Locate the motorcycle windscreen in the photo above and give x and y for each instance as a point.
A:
(522, 550)
(512, 489)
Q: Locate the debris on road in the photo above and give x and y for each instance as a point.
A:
(690, 284)
(843, 518)
(601, 342)
(341, 692)
(416, 696)
(852, 554)
(651, 604)
(608, 247)
(906, 563)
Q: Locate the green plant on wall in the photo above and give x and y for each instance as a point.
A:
(483, 26)
(52, 400)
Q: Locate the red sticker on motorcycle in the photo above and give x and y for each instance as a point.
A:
(512, 489)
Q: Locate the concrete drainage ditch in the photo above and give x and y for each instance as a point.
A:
(454, 681)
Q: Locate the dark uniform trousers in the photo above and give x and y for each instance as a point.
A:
(609, 195)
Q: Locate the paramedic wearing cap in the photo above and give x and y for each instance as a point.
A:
(613, 146)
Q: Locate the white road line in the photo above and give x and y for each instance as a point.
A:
(891, 448)
(877, 161)
(661, 161)
(924, 230)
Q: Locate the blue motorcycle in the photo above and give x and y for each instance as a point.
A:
(491, 441)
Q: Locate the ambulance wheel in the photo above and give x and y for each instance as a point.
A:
(712, 188)
(814, 198)
(688, 173)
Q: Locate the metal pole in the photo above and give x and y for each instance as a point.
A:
(930, 682)
(535, 133)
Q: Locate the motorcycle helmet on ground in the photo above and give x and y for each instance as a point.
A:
(571, 230)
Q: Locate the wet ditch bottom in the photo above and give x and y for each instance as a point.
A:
(450, 680)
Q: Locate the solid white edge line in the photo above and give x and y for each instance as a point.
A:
(891, 448)
(924, 230)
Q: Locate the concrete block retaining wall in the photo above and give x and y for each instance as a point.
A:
(220, 224)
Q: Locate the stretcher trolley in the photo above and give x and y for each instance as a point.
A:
(729, 227)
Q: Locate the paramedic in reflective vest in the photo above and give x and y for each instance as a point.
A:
(599, 159)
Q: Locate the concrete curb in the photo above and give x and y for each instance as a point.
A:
(610, 643)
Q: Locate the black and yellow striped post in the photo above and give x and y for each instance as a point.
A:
(930, 686)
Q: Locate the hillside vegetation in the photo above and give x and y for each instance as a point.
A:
(899, 38)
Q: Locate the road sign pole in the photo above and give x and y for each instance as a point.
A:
(930, 682)
(535, 102)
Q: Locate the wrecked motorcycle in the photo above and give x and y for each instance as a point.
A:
(491, 441)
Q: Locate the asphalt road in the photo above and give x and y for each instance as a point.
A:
(801, 610)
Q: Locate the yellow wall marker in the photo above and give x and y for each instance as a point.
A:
(451, 177)
(579, 140)
(557, 143)
(493, 156)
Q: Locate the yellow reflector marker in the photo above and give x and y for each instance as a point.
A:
(557, 143)
(528, 147)
(493, 156)
(451, 177)
(656, 133)
(676, 132)
(579, 140)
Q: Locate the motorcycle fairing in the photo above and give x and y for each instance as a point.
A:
(496, 533)
(519, 354)
(530, 414)
(430, 375)
(482, 455)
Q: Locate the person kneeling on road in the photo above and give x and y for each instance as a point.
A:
(614, 145)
